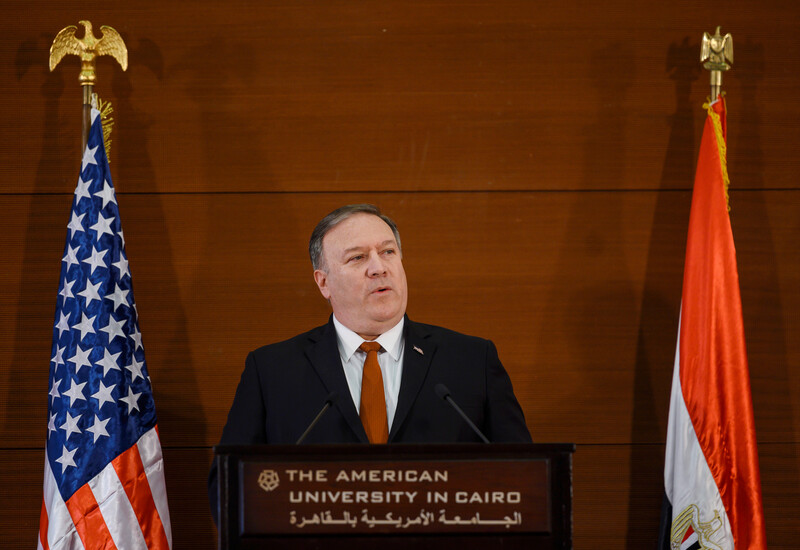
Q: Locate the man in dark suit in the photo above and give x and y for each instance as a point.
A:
(384, 392)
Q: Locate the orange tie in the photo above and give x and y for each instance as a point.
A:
(373, 402)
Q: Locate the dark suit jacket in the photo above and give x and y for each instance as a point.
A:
(284, 385)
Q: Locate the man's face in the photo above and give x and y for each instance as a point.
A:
(362, 275)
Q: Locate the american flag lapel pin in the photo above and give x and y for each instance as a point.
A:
(418, 350)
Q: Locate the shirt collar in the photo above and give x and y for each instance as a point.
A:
(349, 341)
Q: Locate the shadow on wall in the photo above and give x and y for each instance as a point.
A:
(163, 316)
(660, 308)
(235, 182)
(42, 241)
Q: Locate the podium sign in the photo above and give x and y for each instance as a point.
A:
(411, 496)
(375, 494)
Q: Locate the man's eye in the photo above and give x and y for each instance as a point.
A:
(389, 251)
(356, 258)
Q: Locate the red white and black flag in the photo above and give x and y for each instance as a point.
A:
(711, 475)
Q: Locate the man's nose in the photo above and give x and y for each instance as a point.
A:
(376, 266)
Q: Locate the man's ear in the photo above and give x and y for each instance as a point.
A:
(321, 278)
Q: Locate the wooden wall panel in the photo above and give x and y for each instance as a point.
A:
(618, 492)
(579, 290)
(538, 158)
(186, 470)
(448, 95)
(21, 477)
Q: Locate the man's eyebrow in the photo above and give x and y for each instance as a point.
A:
(361, 248)
(353, 249)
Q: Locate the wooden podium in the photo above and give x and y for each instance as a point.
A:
(395, 496)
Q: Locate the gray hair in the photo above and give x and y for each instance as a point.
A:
(336, 217)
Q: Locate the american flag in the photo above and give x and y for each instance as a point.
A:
(103, 470)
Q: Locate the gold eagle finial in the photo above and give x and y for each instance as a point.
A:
(88, 48)
(717, 50)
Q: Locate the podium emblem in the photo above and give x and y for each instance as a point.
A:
(268, 480)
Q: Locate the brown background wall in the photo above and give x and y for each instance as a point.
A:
(538, 158)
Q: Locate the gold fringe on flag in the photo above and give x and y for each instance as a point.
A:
(106, 120)
(721, 146)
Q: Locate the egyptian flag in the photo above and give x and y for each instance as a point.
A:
(711, 476)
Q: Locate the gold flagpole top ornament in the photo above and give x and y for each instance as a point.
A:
(88, 48)
(717, 52)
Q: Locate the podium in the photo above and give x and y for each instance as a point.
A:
(395, 496)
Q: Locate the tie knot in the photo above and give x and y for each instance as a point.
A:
(367, 347)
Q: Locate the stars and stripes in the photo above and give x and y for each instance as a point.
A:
(104, 473)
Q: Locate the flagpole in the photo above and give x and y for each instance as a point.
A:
(717, 52)
(88, 49)
(86, 117)
(103, 481)
(712, 481)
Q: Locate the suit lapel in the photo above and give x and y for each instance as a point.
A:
(323, 353)
(417, 355)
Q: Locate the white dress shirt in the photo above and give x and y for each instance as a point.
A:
(390, 358)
